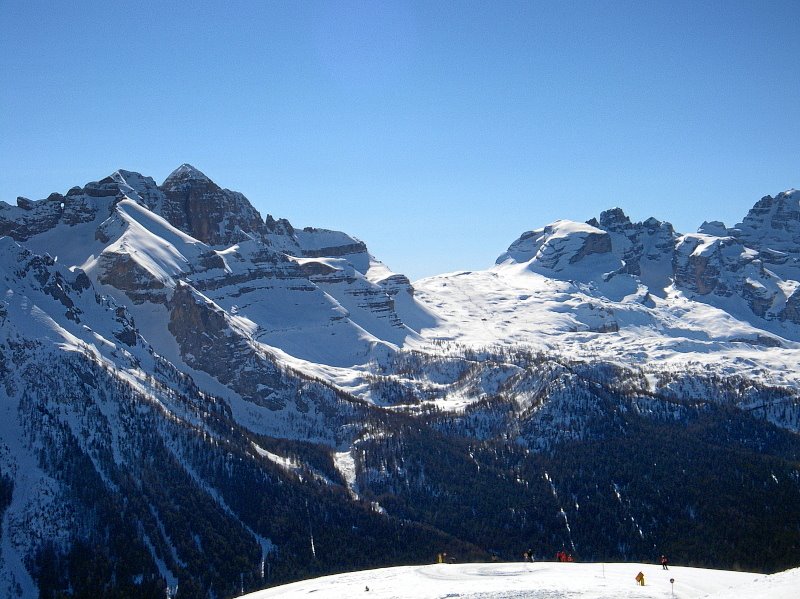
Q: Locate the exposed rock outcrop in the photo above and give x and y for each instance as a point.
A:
(791, 310)
(121, 271)
(562, 246)
(209, 343)
(195, 204)
(772, 228)
(646, 248)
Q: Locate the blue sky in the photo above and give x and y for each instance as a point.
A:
(437, 132)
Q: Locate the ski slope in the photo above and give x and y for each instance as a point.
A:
(541, 580)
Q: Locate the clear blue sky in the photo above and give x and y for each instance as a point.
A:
(437, 132)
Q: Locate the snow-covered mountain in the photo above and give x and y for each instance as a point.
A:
(192, 393)
(639, 293)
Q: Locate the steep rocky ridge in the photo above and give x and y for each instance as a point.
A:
(748, 272)
(148, 237)
(195, 204)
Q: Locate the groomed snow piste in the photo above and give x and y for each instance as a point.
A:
(541, 580)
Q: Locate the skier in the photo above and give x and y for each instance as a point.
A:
(664, 562)
(528, 555)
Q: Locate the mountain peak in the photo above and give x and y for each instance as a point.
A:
(185, 172)
(614, 219)
(196, 205)
(776, 219)
(715, 227)
(559, 246)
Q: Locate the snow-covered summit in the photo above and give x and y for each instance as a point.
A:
(564, 248)
(771, 215)
(185, 172)
(140, 239)
(714, 227)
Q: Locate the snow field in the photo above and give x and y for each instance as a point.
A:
(541, 580)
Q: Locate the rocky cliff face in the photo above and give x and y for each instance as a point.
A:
(195, 204)
(647, 248)
(757, 261)
(772, 228)
(753, 264)
(772, 221)
(705, 265)
(28, 218)
(723, 267)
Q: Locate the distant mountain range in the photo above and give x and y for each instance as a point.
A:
(197, 399)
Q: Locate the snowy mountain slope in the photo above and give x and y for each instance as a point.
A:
(609, 288)
(512, 306)
(165, 351)
(634, 293)
(541, 580)
(326, 285)
(315, 299)
(104, 443)
(58, 407)
(142, 265)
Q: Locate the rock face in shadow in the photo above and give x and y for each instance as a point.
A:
(195, 204)
(646, 248)
(121, 271)
(791, 310)
(210, 344)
